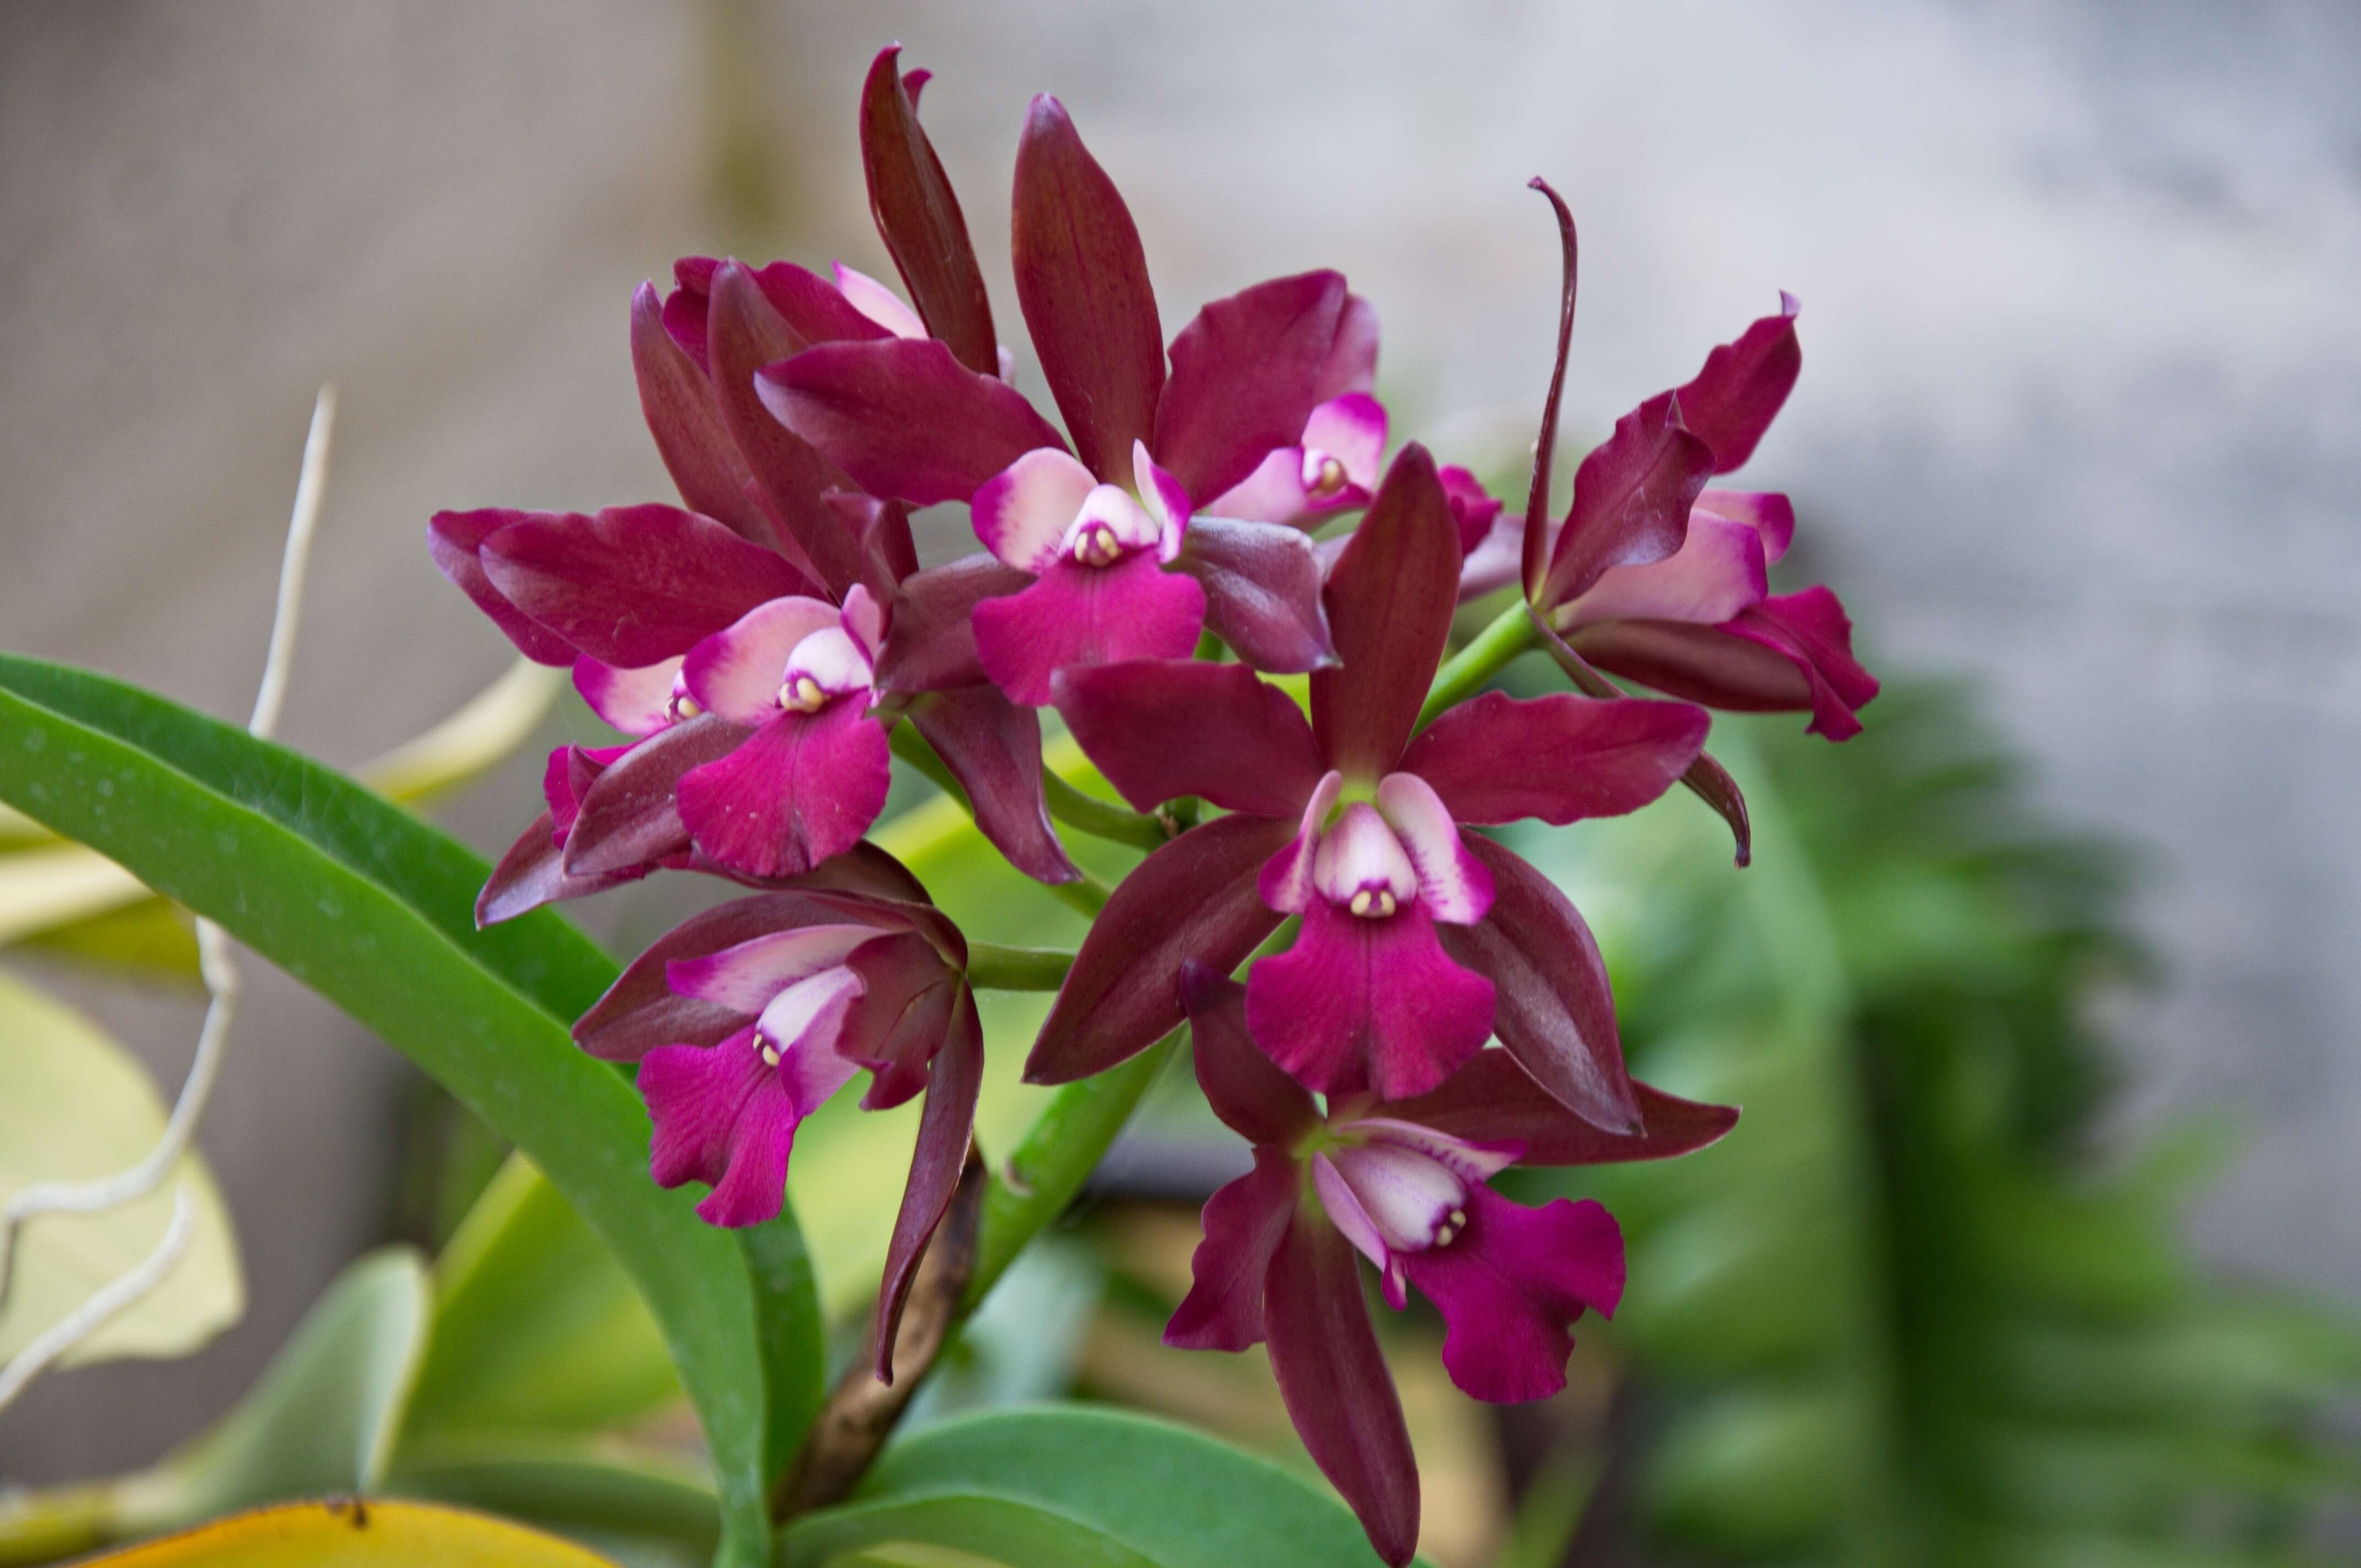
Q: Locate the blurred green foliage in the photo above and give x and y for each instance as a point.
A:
(1914, 1310)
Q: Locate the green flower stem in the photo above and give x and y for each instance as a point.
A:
(995, 968)
(1090, 895)
(1056, 1157)
(1510, 633)
(1101, 819)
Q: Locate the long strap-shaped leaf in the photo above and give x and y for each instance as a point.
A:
(372, 908)
(1077, 1487)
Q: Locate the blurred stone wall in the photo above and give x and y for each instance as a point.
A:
(2082, 408)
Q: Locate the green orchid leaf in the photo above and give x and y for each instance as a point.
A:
(1065, 1486)
(597, 1486)
(374, 909)
(75, 1106)
(67, 899)
(323, 1417)
(536, 1325)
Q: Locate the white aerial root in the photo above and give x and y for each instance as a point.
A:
(220, 973)
(105, 1301)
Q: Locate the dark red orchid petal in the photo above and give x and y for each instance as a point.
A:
(456, 540)
(1246, 375)
(1494, 1101)
(1262, 591)
(1389, 598)
(914, 82)
(930, 640)
(993, 748)
(896, 1025)
(1244, 1223)
(802, 788)
(1352, 359)
(1786, 654)
(919, 217)
(853, 871)
(1743, 385)
(530, 875)
(946, 1131)
(683, 308)
(1708, 779)
(641, 1010)
(1081, 280)
(1711, 782)
(1359, 1004)
(1553, 1007)
(1511, 1286)
(814, 309)
(1194, 898)
(570, 773)
(634, 586)
(889, 552)
(1560, 758)
(1811, 630)
(1699, 663)
(629, 816)
(1331, 1374)
(677, 402)
(1160, 728)
(1473, 508)
(1247, 1089)
(1074, 616)
(1534, 546)
(747, 333)
(1631, 500)
(902, 417)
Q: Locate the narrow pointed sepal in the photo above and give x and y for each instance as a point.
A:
(1389, 598)
(1194, 898)
(919, 216)
(1333, 1377)
(1555, 1009)
(1082, 279)
(946, 1132)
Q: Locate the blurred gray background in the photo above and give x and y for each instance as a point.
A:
(2081, 411)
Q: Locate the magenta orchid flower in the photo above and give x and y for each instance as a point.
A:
(746, 1019)
(1401, 1182)
(1333, 466)
(805, 785)
(1096, 554)
(1419, 939)
(533, 872)
(625, 596)
(1114, 544)
(1656, 577)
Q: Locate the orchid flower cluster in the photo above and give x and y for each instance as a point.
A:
(1218, 511)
